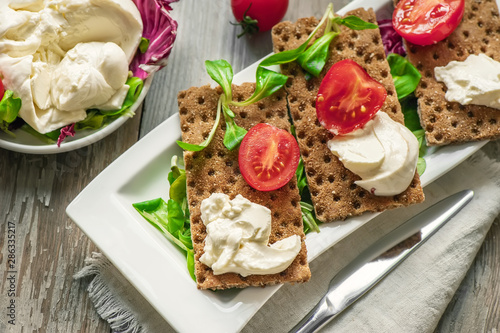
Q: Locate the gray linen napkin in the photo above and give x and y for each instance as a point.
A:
(411, 299)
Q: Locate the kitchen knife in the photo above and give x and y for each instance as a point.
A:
(363, 273)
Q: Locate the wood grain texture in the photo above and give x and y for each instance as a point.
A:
(49, 248)
(35, 190)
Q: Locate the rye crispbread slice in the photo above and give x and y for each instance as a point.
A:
(333, 192)
(450, 122)
(215, 169)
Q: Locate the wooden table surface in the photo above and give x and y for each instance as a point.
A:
(36, 189)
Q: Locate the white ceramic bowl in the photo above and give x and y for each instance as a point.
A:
(27, 143)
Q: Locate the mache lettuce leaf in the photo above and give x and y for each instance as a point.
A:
(171, 217)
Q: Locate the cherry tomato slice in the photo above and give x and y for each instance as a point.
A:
(348, 97)
(2, 90)
(268, 157)
(425, 22)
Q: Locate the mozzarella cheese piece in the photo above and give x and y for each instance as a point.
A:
(384, 153)
(476, 80)
(62, 57)
(237, 239)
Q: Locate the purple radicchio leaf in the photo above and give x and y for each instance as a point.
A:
(393, 43)
(65, 131)
(160, 29)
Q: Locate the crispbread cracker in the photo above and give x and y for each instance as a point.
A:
(215, 169)
(450, 122)
(333, 192)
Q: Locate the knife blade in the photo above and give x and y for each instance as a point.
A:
(364, 272)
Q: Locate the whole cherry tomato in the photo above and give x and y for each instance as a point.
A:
(425, 22)
(348, 97)
(268, 157)
(266, 13)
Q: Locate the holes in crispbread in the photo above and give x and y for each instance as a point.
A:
(310, 86)
(311, 172)
(310, 142)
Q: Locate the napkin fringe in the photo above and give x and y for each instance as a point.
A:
(109, 307)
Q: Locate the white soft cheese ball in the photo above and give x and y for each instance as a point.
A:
(89, 75)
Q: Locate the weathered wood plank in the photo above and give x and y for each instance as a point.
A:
(35, 190)
(49, 248)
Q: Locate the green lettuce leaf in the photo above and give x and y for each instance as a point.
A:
(406, 77)
(9, 109)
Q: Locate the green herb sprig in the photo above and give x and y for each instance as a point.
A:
(313, 58)
(267, 83)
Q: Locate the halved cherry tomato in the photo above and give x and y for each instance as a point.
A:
(348, 97)
(425, 22)
(268, 157)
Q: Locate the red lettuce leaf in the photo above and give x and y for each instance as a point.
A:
(160, 29)
(66, 131)
(393, 43)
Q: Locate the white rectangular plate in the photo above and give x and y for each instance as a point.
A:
(103, 210)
